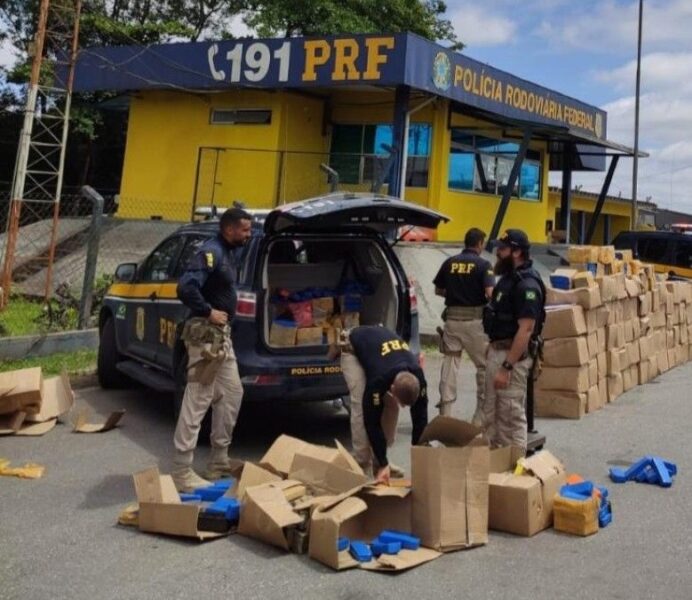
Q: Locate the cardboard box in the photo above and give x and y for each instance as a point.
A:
(586, 297)
(624, 255)
(593, 399)
(633, 354)
(592, 343)
(614, 360)
(658, 319)
(609, 288)
(564, 321)
(21, 390)
(160, 508)
(644, 304)
(593, 372)
(596, 318)
(575, 379)
(630, 308)
(601, 339)
(562, 278)
(615, 386)
(322, 310)
(582, 254)
(363, 518)
(450, 486)
(279, 457)
(628, 331)
(615, 336)
(565, 352)
(603, 390)
(309, 336)
(602, 362)
(578, 517)
(282, 334)
(584, 279)
(633, 287)
(628, 382)
(559, 403)
(606, 254)
(523, 504)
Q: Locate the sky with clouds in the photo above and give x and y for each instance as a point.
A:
(587, 49)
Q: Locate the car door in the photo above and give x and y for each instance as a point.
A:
(154, 281)
(171, 312)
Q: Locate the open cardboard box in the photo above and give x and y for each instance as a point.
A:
(450, 486)
(363, 518)
(279, 457)
(523, 504)
(161, 510)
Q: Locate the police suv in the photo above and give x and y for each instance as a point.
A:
(320, 242)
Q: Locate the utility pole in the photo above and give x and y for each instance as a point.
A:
(635, 160)
(39, 167)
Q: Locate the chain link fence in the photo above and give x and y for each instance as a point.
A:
(133, 223)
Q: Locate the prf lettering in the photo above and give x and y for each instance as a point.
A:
(462, 268)
(345, 52)
(392, 346)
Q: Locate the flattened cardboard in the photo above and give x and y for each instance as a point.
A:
(523, 504)
(57, 399)
(160, 508)
(450, 486)
(266, 512)
(36, 429)
(81, 424)
(22, 391)
(10, 424)
(251, 476)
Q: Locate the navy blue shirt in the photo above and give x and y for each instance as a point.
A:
(210, 279)
(383, 355)
(464, 278)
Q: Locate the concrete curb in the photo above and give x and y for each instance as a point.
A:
(49, 343)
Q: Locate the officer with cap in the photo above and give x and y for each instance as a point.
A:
(513, 321)
(466, 283)
(382, 375)
(207, 289)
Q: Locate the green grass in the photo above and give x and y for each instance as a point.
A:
(79, 362)
(19, 318)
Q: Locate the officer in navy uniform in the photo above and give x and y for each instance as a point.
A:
(207, 289)
(513, 321)
(383, 375)
(466, 283)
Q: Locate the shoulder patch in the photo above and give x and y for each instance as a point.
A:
(210, 259)
(530, 294)
(376, 399)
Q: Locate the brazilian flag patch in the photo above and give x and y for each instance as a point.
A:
(210, 259)
(530, 294)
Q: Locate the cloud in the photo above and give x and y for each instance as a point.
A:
(660, 70)
(478, 26)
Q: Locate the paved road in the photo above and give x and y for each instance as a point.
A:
(58, 537)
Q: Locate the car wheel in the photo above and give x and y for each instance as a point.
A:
(108, 356)
(180, 378)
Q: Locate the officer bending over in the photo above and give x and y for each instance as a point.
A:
(207, 288)
(466, 283)
(513, 321)
(382, 375)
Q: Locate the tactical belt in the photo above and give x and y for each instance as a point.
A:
(501, 344)
(464, 313)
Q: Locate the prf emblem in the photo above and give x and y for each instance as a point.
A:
(139, 324)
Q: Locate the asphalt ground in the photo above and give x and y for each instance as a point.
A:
(59, 537)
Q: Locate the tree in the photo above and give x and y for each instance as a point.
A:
(271, 18)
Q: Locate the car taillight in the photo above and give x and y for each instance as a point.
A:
(412, 295)
(247, 305)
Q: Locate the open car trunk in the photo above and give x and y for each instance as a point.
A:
(317, 284)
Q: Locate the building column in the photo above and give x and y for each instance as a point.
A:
(606, 229)
(566, 195)
(401, 99)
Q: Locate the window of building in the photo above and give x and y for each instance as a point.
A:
(481, 164)
(360, 153)
(240, 116)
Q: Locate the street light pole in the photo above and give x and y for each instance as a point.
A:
(635, 161)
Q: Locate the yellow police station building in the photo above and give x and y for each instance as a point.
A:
(253, 120)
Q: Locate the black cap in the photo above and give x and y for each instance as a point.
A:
(514, 238)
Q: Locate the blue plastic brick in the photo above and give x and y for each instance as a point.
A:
(210, 493)
(605, 515)
(582, 490)
(190, 497)
(604, 492)
(623, 475)
(379, 547)
(664, 478)
(360, 551)
(342, 544)
(408, 541)
(573, 495)
(224, 484)
(226, 507)
(560, 282)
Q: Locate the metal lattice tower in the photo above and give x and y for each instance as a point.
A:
(33, 216)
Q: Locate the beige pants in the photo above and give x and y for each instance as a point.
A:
(459, 336)
(355, 379)
(503, 412)
(224, 395)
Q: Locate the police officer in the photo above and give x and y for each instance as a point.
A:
(382, 375)
(512, 321)
(207, 288)
(466, 283)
